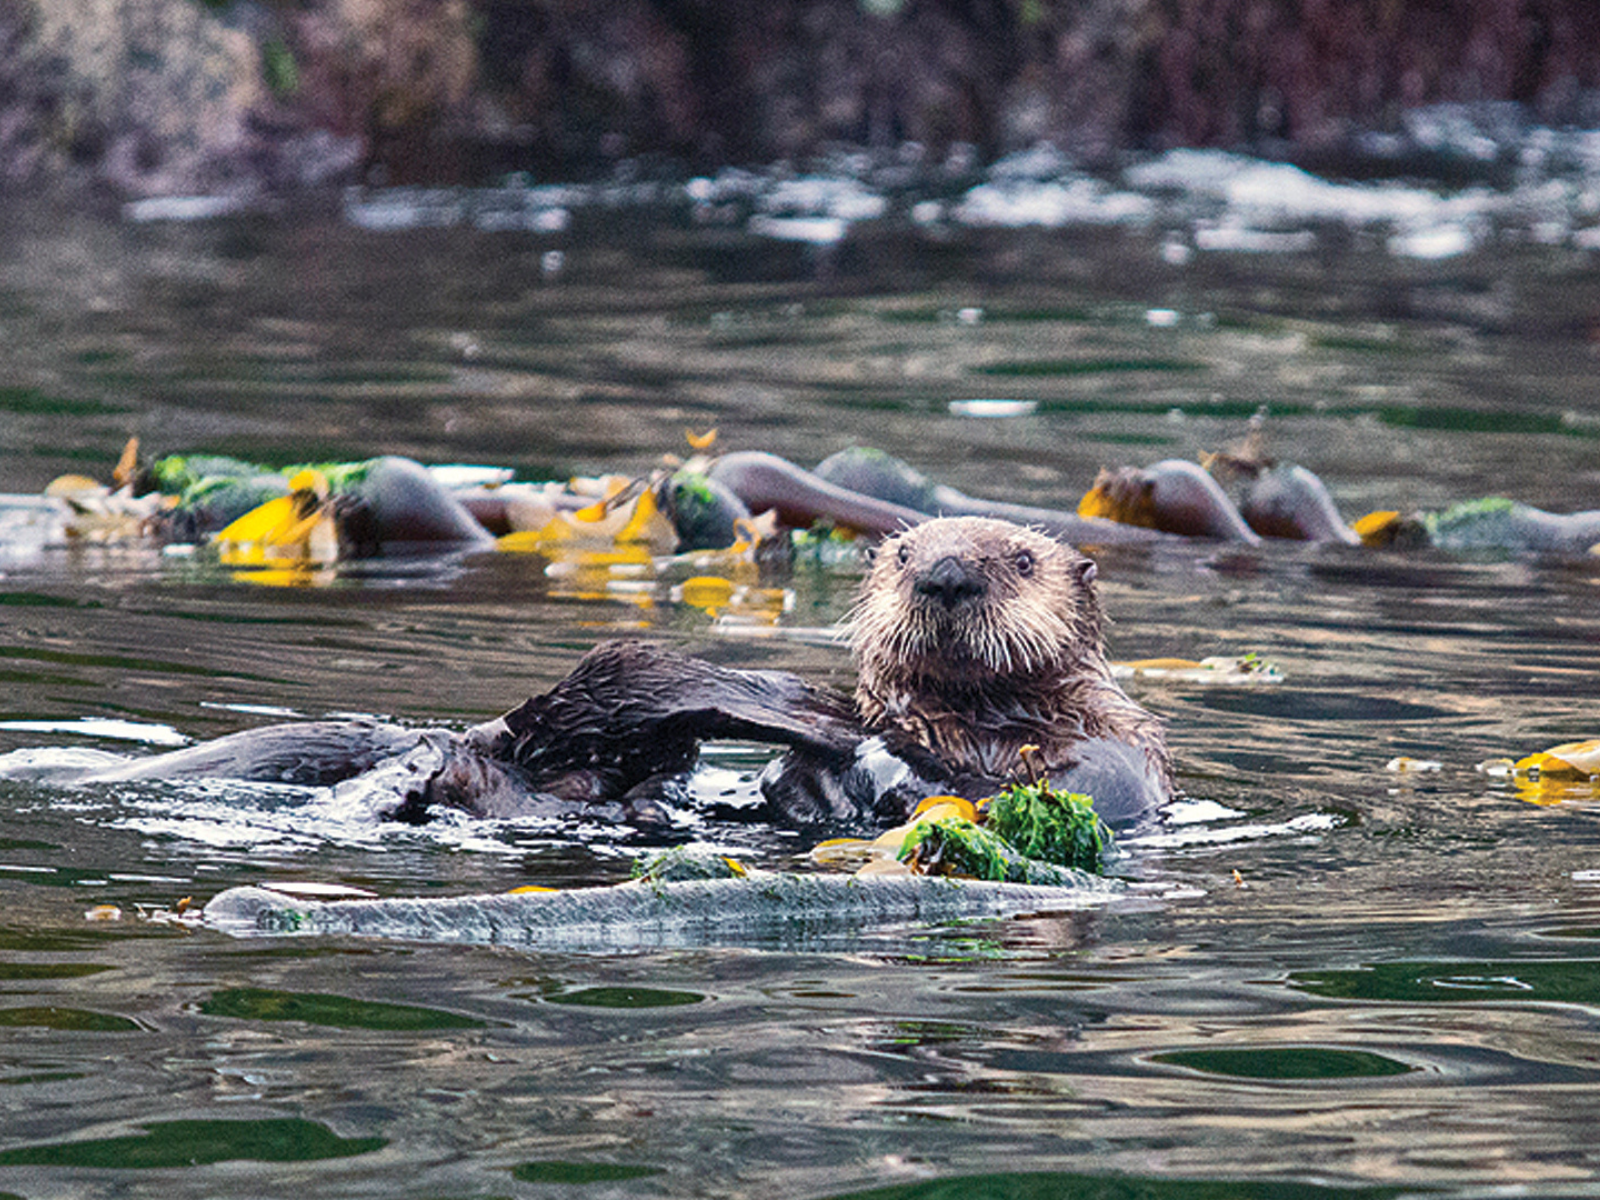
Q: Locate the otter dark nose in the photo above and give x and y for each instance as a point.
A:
(950, 581)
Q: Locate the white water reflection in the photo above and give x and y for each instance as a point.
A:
(1215, 201)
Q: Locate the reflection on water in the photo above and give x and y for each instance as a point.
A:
(1333, 978)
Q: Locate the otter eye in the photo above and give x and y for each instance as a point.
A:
(1024, 562)
(1088, 572)
(905, 555)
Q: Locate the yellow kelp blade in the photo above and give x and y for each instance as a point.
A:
(528, 541)
(127, 466)
(756, 607)
(841, 851)
(1097, 503)
(890, 867)
(635, 520)
(889, 843)
(610, 571)
(306, 534)
(937, 808)
(709, 592)
(260, 523)
(289, 532)
(295, 575)
(1114, 498)
(63, 486)
(1144, 665)
(638, 520)
(1570, 771)
(881, 855)
(601, 487)
(309, 480)
(1375, 528)
(1571, 760)
(730, 600)
(646, 523)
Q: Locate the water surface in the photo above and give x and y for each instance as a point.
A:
(1335, 978)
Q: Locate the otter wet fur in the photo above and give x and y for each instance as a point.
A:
(977, 637)
(973, 638)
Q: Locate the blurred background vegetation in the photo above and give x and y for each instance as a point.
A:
(152, 97)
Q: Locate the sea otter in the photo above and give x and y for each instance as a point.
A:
(974, 637)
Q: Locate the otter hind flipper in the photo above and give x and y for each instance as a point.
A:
(309, 753)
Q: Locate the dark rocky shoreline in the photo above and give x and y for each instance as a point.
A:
(237, 97)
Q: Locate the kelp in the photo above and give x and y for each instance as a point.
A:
(1570, 760)
(624, 514)
(1058, 827)
(177, 473)
(1249, 668)
(1027, 833)
(704, 514)
(689, 861)
(956, 846)
(1570, 771)
(779, 908)
(297, 529)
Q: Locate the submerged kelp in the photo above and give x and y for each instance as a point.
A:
(756, 909)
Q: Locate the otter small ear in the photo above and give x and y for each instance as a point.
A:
(1088, 571)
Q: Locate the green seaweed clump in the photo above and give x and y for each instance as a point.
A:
(213, 489)
(690, 861)
(956, 846)
(177, 473)
(1473, 524)
(1058, 827)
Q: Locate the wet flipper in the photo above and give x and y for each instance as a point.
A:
(632, 710)
(1127, 788)
(888, 775)
(308, 753)
(629, 713)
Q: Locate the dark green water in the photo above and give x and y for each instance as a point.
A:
(1396, 994)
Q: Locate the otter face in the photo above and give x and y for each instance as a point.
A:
(971, 600)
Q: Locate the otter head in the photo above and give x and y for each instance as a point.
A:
(969, 605)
